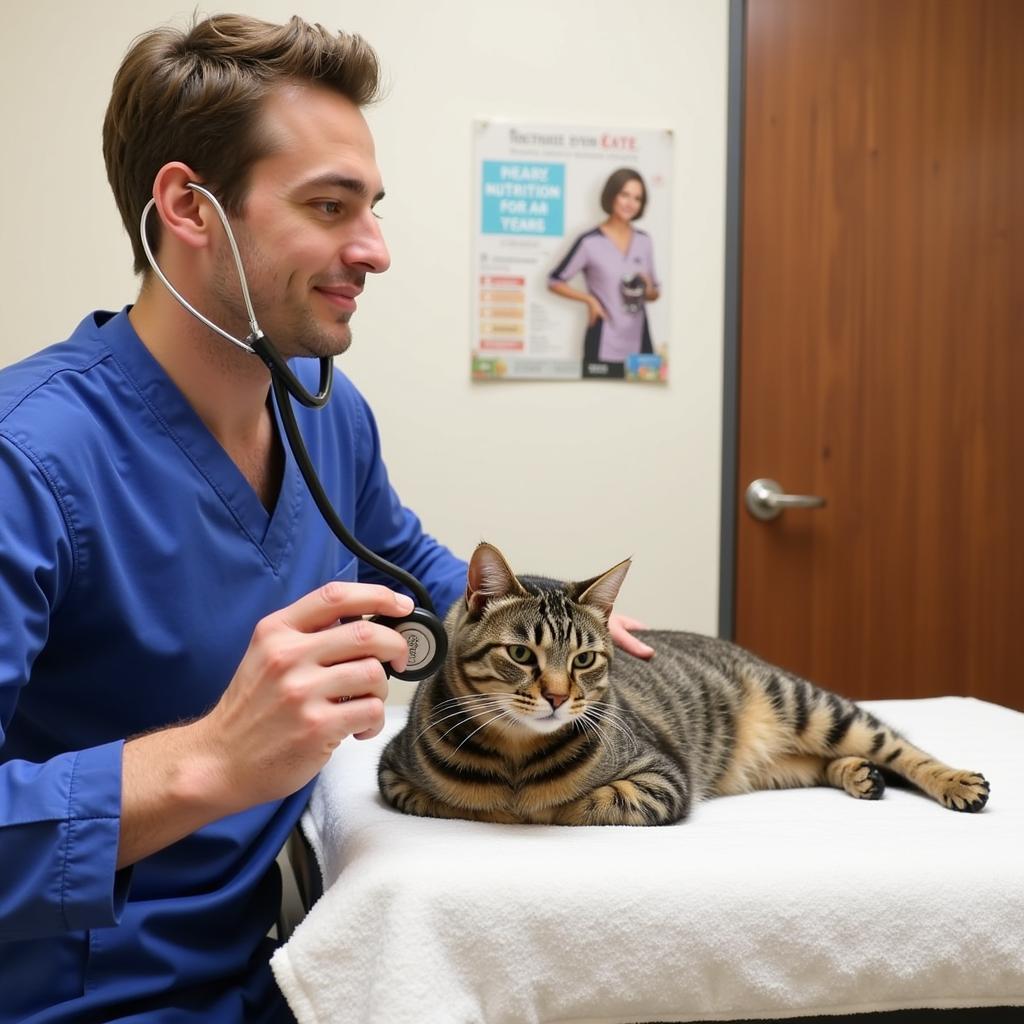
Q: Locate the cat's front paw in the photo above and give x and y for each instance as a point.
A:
(403, 796)
(964, 791)
(643, 799)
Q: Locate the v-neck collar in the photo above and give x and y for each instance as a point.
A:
(271, 532)
(624, 253)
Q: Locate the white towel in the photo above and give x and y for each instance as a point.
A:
(764, 905)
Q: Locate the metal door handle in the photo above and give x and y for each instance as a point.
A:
(766, 500)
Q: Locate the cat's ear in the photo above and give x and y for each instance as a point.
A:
(601, 591)
(489, 577)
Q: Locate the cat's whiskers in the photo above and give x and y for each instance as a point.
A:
(632, 746)
(518, 709)
(616, 717)
(464, 697)
(494, 701)
(586, 726)
(598, 714)
(499, 715)
(611, 710)
(594, 727)
(473, 718)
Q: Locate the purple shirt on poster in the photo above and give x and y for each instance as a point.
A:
(604, 267)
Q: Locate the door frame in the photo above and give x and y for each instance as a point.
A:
(733, 297)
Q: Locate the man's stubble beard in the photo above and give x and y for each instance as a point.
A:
(300, 334)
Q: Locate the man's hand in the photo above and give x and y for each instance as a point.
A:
(619, 626)
(305, 683)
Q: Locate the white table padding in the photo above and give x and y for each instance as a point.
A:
(764, 905)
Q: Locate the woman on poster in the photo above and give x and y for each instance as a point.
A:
(617, 263)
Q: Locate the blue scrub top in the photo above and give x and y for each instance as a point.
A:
(135, 560)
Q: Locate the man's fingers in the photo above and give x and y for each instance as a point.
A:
(619, 627)
(359, 639)
(354, 680)
(362, 717)
(368, 734)
(631, 645)
(630, 623)
(336, 600)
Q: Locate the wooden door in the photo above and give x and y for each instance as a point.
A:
(881, 346)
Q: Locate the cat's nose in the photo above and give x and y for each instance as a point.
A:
(556, 700)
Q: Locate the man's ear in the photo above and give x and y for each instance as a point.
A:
(182, 212)
(489, 577)
(601, 591)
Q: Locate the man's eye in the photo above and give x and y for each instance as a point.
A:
(329, 206)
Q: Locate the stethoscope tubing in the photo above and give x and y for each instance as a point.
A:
(423, 620)
(331, 517)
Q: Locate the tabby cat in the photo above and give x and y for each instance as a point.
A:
(530, 721)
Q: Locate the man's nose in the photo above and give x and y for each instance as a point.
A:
(366, 249)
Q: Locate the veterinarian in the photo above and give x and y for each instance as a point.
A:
(182, 639)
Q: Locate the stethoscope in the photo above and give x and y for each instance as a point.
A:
(422, 629)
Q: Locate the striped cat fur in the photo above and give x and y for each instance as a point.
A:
(534, 719)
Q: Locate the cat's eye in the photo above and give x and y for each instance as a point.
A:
(584, 659)
(521, 654)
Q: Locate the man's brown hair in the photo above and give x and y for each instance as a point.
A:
(614, 185)
(195, 95)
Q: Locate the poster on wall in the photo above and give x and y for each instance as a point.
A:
(571, 252)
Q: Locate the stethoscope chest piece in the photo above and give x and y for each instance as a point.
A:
(427, 640)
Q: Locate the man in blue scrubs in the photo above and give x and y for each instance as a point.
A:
(181, 638)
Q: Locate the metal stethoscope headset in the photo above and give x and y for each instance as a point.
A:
(422, 629)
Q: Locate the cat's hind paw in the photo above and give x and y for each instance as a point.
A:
(965, 791)
(858, 776)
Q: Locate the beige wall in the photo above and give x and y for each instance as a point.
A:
(566, 478)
